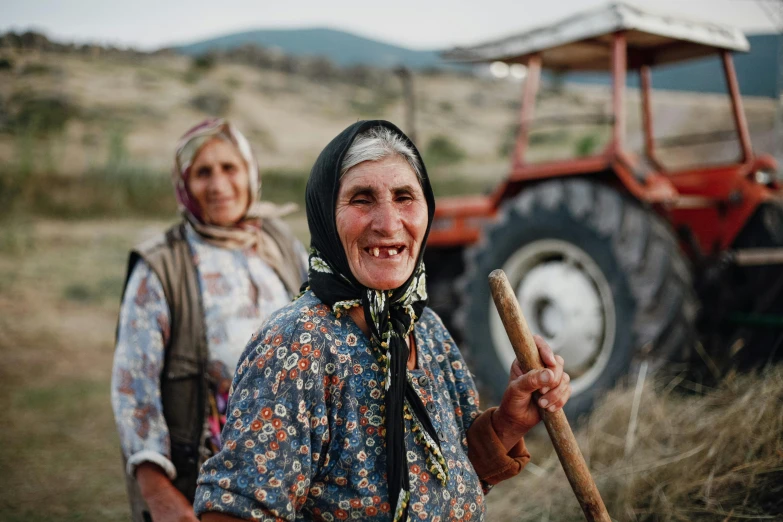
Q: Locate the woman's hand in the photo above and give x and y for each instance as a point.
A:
(166, 503)
(518, 412)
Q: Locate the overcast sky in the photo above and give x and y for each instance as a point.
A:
(418, 24)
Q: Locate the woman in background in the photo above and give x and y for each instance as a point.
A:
(193, 296)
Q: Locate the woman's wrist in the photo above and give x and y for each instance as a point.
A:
(154, 485)
(508, 433)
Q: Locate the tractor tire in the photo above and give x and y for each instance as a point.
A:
(599, 276)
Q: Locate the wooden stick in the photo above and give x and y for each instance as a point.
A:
(556, 423)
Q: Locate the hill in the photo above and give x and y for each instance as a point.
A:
(99, 124)
(758, 70)
(342, 48)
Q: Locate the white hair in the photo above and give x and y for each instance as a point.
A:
(376, 144)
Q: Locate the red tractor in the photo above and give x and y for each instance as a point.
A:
(615, 258)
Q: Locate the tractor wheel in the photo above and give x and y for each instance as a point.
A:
(601, 278)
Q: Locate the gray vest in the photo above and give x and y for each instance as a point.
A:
(183, 383)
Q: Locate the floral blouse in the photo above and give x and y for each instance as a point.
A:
(239, 291)
(304, 438)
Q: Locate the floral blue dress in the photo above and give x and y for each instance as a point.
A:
(304, 437)
(238, 291)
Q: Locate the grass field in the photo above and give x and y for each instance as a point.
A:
(717, 456)
(59, 296)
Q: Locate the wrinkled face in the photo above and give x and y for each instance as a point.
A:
(219, 183)
(381, 217)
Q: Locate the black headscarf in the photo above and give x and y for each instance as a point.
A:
(389, 314)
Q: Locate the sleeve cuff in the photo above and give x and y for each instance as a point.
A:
(150, 456)
(488, 455)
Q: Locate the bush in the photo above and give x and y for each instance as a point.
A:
(587, 145)
(233, 82)
(191, 76)
(121, 192)
(322, 68)
(373, 103)
(105, 289)
(213, 103)
(284, 185)
(37, 69)
(441, 150)
(446, 106)
(124, 190)
(40, 114)
(17, 236)
(547, 137)
(204, 62)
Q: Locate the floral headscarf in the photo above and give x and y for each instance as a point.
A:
(256, 229)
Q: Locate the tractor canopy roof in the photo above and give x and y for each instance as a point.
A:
(584, 41)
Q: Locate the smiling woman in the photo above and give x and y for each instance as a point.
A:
(220, 183)
(192, 298)
(381, 217)
(353, 402)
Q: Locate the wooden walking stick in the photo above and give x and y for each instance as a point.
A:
(556, 423)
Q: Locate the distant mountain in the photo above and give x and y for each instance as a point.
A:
(758, 70)
(341, 47)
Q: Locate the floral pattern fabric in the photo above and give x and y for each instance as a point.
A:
(305, 436)
(239, 291)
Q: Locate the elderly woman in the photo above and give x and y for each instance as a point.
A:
(192, 299)
(353, 401)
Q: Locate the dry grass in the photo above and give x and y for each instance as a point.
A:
(716, 456)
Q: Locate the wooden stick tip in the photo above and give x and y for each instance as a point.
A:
(497, 274)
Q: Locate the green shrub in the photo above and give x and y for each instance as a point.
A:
(233, 82)
(536, 137)
(441, 150)
(117, 192)
(284, 185)
(37, 69)
(587, 145)
(127, 190)
(508, 140)
(191, 76)
(446, 106)
(372, 103)
(213, 103)
(16, 237)
(40, 114)
(204, 62)
(107, 288)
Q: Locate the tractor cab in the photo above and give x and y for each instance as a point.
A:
(618, 41)
(601, 248)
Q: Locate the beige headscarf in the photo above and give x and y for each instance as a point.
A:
(259, 228)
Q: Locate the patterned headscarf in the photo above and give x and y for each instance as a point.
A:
(254, 230)
(390, 314)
